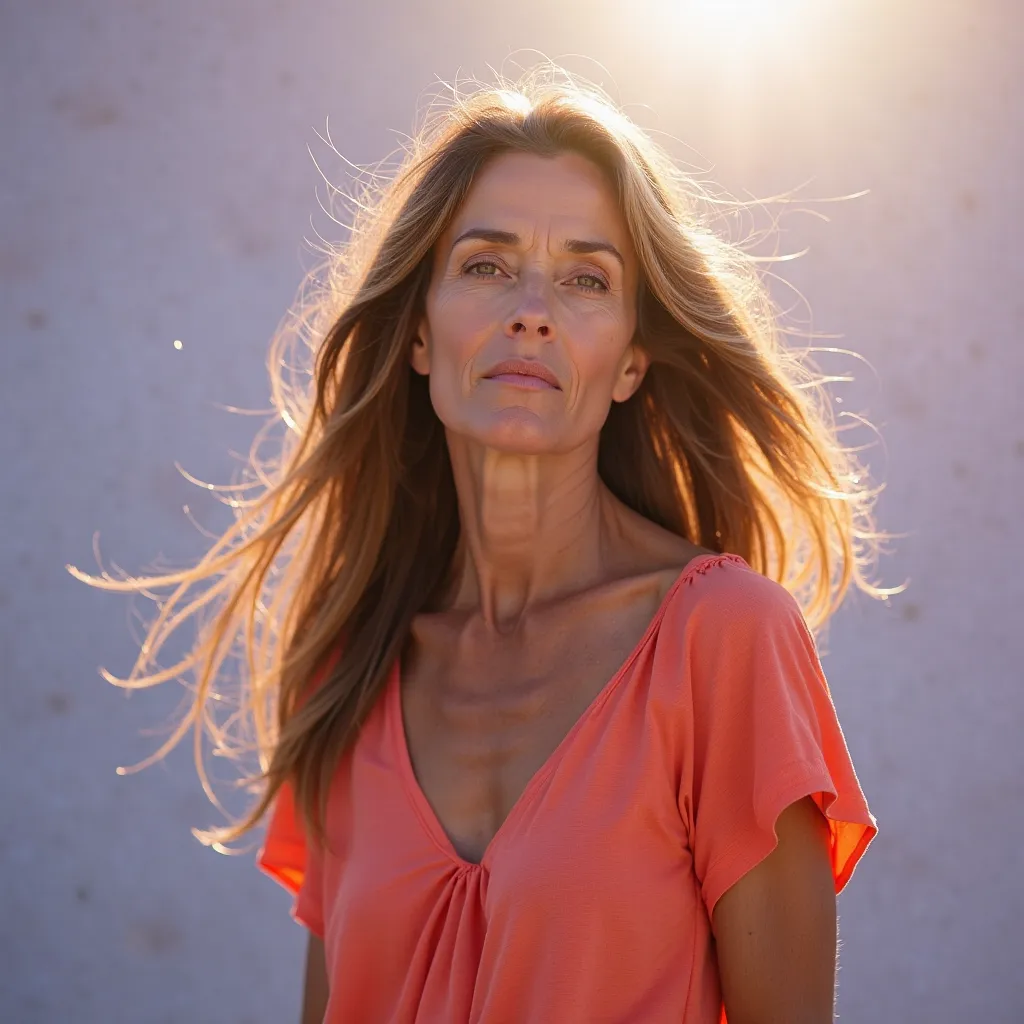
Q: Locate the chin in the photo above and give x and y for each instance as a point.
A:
(514, 430)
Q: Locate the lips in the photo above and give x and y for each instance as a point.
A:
(511, 368)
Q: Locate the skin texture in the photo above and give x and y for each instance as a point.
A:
(541, 532)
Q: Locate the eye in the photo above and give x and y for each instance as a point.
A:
(491, 269)
(591, 282)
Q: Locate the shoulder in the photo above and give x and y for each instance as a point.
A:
(736, 641)
(725, 584)
(720, 597)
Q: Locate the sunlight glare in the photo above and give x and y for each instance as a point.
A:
(746, 21)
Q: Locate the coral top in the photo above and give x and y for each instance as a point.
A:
(593, 901)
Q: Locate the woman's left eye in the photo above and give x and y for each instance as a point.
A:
(591, 282)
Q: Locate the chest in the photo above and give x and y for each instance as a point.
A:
(599, 838)
(481, 721)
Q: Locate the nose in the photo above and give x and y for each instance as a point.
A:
(532, 317)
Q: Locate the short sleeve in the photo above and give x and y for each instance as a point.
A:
(764, 733)
(287, 859)
(285, 855)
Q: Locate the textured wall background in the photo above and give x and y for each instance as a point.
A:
(156, 186)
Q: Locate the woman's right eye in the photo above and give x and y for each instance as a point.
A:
(491, 268)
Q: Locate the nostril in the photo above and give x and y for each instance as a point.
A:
(519, 327)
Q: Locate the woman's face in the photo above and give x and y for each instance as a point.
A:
(537, 267)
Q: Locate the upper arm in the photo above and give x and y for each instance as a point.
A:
(776, 930)
(314, 997)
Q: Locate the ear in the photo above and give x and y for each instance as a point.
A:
(419, 351)
(632, 369)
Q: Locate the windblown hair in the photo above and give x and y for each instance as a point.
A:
(354, 528)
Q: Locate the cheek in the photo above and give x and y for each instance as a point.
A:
(459, 324)
(596, 343)
(457, 333)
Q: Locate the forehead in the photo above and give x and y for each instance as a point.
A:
(522, 192)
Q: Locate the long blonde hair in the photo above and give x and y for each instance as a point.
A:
(353, 528)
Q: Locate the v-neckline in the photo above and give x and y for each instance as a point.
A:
(425, 811)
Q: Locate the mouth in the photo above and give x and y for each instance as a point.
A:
(523, 373)
(522, 380)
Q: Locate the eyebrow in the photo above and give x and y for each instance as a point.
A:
(578, 246)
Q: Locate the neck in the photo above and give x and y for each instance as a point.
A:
(534, 528)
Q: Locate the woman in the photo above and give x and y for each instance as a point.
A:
(543, 730)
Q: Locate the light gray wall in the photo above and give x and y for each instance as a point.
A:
(156, 186)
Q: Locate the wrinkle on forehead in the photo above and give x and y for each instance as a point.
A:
(544, 200)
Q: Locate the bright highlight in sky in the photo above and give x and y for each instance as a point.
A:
(748, 21)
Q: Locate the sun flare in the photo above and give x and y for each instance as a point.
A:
(742, 20)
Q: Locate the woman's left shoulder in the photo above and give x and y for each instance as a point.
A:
(724, 578)
(723, 594)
